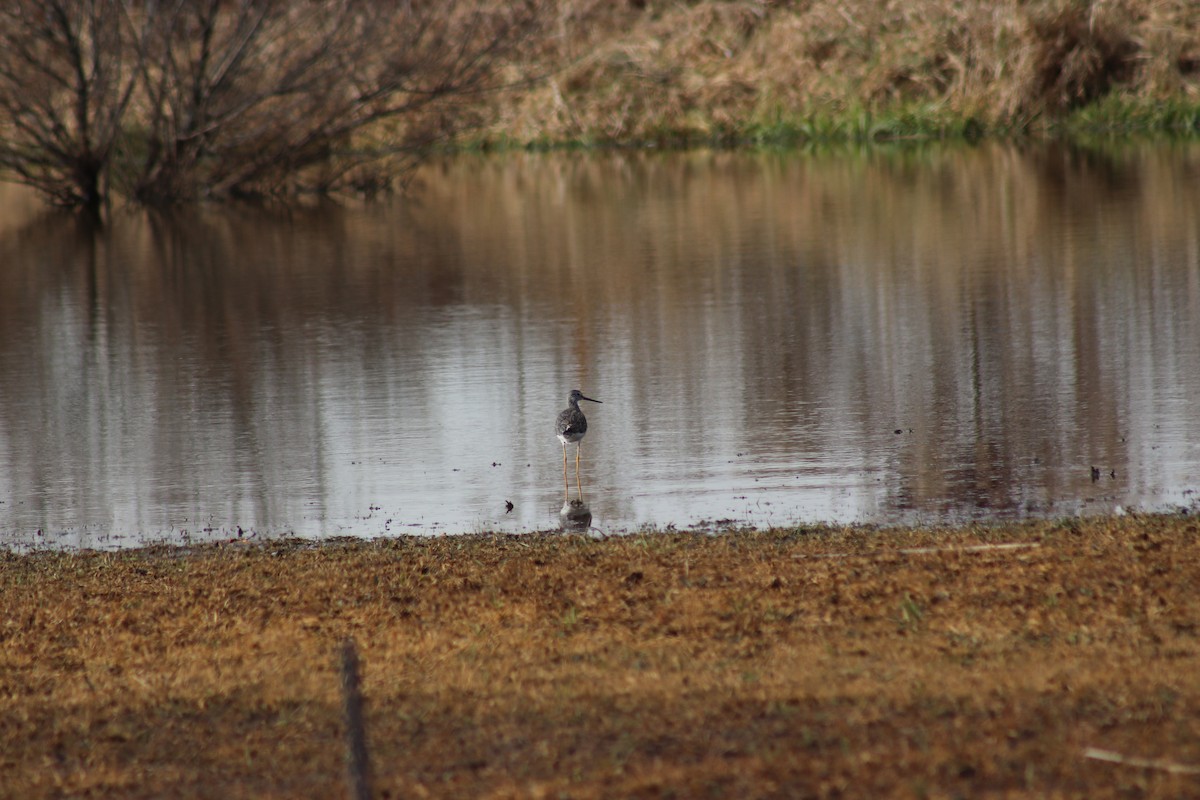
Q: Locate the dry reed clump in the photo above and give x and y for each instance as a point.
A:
(670, 70)
(830, 663)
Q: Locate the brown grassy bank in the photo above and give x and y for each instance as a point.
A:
(665, 70)
(285, 99)
(828, 663)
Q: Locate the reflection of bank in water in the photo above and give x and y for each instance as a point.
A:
(575, 516)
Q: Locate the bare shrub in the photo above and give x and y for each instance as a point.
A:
(263, 96)
(67, 74)
(194, 98)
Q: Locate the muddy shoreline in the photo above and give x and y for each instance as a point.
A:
(1042, 659)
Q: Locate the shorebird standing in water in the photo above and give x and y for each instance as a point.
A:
(571, 427)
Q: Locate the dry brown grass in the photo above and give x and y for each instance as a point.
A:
(656, 665)
(645, 70)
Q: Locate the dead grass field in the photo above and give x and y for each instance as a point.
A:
(825, 663)
(670, 71)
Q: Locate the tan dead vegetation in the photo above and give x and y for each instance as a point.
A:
(644, 70)
(842, 662)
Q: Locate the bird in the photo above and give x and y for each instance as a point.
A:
(572, 427)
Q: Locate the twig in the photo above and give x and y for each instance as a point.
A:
(970, 548)
(357, 765)
(911, 551)
(1113, 757)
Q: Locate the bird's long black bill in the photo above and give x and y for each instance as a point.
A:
(590, 400)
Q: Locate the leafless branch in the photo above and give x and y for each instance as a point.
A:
(179, 99)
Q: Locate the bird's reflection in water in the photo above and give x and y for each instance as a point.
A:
(575, 516)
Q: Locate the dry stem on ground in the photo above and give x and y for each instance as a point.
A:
(827, 663)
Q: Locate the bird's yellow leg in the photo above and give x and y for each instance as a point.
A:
(578, 483)
(566, 486)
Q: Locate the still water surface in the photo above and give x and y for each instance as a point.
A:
(918, 335)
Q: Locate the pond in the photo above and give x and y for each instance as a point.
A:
(882, 336)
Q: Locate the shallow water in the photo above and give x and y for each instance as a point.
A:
(886, 336)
